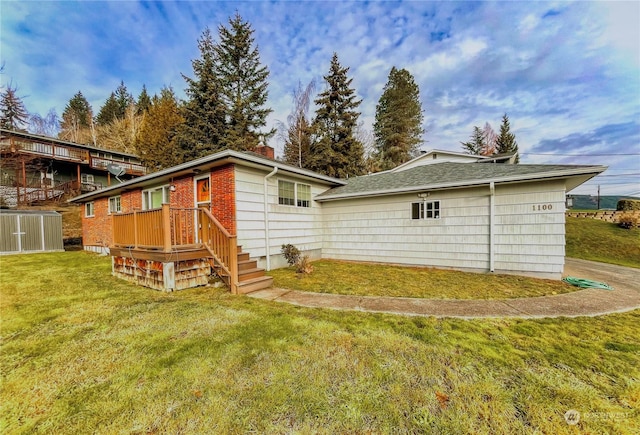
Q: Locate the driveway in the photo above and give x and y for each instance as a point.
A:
(625, 296)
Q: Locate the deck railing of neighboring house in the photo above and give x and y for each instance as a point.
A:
(167, 229)
(129, 167)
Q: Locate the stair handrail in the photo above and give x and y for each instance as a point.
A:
(221, 245)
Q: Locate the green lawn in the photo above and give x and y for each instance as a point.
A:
(592, 239)
(83, 352)
(382, 280)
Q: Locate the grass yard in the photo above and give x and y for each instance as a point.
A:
(592, 239)
(83, 352)
(341, 277)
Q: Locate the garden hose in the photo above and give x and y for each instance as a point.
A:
(586, 283)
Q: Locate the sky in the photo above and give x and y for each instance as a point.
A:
(566, 73)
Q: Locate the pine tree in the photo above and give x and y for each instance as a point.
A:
(297, 134)
(76, 120)
(144, 101)
(506, 141)
(116, 105)
(336, 151)
(398, 126)
(13, 114)
(204, 114)
(109, 110)
(243, 85)
(476, 144)
(156, 143)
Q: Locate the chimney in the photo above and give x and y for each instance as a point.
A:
(265, 150)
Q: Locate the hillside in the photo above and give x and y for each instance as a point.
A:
(589, 202)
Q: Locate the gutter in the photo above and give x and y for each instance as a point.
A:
(266, 216)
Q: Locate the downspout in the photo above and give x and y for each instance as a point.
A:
(492, 206)
(266, 216)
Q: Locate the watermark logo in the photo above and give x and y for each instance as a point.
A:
(572, 417)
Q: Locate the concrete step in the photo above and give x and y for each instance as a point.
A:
(255, 284)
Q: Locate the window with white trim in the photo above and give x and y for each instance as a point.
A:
(89, 209)
(295, 194)
(87, 178)
(114, 205)
(154, 198)
(425, 210)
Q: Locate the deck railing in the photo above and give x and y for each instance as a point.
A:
(168, 228)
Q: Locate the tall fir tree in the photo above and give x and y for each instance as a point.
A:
(156, 142)
(204, 114)
(116, 105)
(243, 85)
(76, 120)
(144, 101)
(297, 133)
(506, 141)
(476, 143)
(398, 126)
(13, 113)
(335, 150)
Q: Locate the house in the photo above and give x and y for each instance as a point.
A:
(36, 168)
(442, 209)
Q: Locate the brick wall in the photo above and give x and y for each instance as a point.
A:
(182, 196)
(130, 201)
(96, 230)
(223, 189)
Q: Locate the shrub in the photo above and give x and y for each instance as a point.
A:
(628, 221)
(291, 254)
(628, 205)
(304, 265)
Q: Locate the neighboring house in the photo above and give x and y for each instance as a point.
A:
(442, 209)
(38, 168)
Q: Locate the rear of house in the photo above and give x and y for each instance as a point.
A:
(464, 213)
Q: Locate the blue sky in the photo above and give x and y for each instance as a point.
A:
(566, 73)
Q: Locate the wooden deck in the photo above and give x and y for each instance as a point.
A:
(179, 235)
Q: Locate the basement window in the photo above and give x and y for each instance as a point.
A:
(425, 210)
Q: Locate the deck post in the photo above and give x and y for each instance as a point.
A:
(166, 227)
(233, 265)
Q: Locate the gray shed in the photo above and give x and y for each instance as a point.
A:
(23, 231)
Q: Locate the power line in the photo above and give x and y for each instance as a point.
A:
(579, 155)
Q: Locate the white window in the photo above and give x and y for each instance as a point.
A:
(296, 194)
(86, 178)
(88, 209)
(114, 204)
(425, 210)
(154, 198)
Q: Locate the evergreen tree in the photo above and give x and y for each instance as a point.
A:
(297, 134)
(76, 120)
(476, 145)
(156, 143)
(116, 105)
(204, 114)
(398, 126)
(506, 141)
(109, 110)
(336, 151)
(144, 101)
(243, 85)
(13, 113)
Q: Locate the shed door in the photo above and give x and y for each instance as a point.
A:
(31, 226)
(9, 233)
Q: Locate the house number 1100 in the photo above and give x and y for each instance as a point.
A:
(542, 207)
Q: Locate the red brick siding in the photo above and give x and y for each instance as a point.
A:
(223, 204)
(130, 201)
(96, 230)
(182, 197)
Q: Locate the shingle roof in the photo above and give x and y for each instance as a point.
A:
(447, 174)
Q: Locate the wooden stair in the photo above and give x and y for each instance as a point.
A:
(250, 277)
